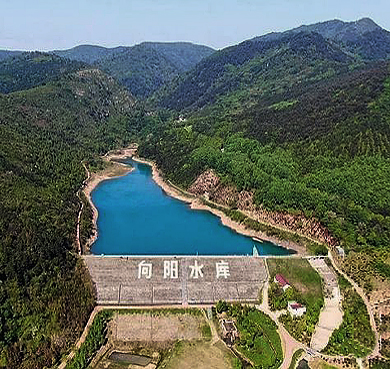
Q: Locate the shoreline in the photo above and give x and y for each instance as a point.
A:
(94, 179)
(196, 204)
(170, 189)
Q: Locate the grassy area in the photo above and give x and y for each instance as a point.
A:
(306, 289)
(206, 331)
(297, 354)
(321, 364)
(354, 336)
(283, 105)
(95, 339)
(259, 340)
(199, 354)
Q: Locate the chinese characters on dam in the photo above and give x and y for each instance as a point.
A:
(171, 270)
(176, 279)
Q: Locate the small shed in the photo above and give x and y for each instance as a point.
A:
(229, 331)
(282, 282)
(296, 309)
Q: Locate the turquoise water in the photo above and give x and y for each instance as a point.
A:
(136, 217)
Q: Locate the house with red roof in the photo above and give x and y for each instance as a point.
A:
(281, 281)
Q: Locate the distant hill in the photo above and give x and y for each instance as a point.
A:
(4, 54)
(362, 38)
(27, 70)
(257, 68)
(88, 53)
(273, 63)
(141, 68)
(146, 67)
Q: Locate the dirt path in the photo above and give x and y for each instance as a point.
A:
(289, 344)
(93, 179)
(331, 315)
(78, 243)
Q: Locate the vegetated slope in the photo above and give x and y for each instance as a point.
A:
(146, 67)
(311, 147)
(265, 64)
(45, 294)
(257, 68)
(28, 70)
(363, 38)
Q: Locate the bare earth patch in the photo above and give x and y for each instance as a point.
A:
(144, 327)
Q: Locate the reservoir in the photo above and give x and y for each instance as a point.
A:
(136, 217)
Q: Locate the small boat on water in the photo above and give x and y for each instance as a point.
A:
(257, 239)
(255, 252)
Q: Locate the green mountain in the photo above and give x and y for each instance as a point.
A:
(28, 70)
(142, 68)
(45, 293)
(298, 56)
(363, 38)
(257, 68)
(299, 125)
(146, 67)
(88, 53)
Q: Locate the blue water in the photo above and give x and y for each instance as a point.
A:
(136, 217)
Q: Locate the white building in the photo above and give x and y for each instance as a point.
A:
(340, 251)
(296, 309)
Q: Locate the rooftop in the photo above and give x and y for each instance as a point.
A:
(281, 280)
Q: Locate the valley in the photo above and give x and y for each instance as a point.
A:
(285, 136)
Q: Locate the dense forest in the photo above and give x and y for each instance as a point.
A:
(312, 147)
(142, 68)
(28, 70)
(45, 292)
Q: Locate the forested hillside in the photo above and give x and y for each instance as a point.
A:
(4, 54)
(45, 294)
(254, 70)
(278, 63)
(28, 70)
(146, 67)
(142, 68)
(297, 130)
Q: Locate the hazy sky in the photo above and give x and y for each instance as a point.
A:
(59, 24)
